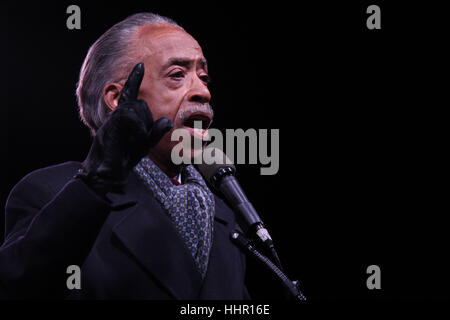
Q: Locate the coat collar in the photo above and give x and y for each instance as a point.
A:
(150, 236)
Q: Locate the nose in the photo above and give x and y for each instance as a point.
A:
(198, 91)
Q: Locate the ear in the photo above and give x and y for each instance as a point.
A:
(111, 95)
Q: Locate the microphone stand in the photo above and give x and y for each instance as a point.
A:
(291, 287)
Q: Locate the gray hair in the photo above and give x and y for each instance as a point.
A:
(108, 60)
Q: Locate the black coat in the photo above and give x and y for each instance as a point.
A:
(126, 249)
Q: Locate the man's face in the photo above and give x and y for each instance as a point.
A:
(174, 82)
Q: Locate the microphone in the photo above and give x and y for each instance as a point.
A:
(219, 171)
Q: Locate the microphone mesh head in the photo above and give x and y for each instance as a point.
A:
(213, 160)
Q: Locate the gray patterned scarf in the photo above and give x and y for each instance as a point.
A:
(190, 206)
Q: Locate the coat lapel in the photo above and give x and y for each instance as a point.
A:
(150, 236)
(223, 213)
(217, 281)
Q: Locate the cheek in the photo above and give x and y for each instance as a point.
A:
(168, 110)
(163, 102)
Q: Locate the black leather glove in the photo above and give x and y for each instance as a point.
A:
(123, 140)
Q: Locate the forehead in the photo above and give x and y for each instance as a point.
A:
(162, 42)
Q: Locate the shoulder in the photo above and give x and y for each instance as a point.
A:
(33, 192)
(52, 178)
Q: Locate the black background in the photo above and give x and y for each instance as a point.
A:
(360, 114)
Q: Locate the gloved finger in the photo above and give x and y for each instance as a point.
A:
(144, 113)
(131, 88)
(160, 128)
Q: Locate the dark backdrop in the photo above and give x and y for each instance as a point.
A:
(358, 112)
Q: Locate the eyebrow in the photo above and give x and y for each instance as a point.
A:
(184, 62)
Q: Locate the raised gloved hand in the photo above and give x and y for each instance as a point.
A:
(123, 140)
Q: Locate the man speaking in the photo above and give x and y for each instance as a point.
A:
(137, 225)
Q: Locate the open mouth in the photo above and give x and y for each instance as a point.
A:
(197, 124)
(198, 120)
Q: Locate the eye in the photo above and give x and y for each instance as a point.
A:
(205, 78)
(177, 75)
